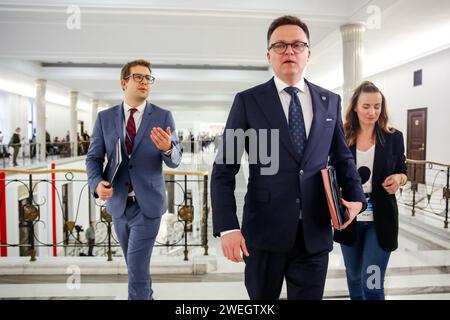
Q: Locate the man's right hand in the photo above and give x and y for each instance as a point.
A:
(104, 190)
(232, 245)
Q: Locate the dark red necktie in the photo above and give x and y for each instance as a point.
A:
(129, 137)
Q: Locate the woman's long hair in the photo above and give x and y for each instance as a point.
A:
(351, 123)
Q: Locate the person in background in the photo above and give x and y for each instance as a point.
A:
(379, 153)
(90, 237)
(15, 144)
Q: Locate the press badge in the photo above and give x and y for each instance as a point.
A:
(366, 215)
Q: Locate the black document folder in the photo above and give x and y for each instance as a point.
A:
(338, 211)
(113, 165)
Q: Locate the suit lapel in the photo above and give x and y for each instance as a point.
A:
(119, 121)
(270, 104)
(320, 101)
(143, 126)
(378, 164)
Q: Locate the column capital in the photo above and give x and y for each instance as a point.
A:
(352, 31)
(40, 83)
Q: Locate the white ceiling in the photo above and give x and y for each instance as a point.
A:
(203, 51)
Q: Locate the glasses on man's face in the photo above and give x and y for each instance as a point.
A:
(281, 47)
(140, 77)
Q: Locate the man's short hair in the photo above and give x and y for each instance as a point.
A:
(286, 20)
(125, 72)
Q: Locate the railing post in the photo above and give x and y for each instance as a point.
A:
(3, 229)
(447, 197)
(414, 189)
(205, 215)
(109, 241)
(54, 210)
(30, 223)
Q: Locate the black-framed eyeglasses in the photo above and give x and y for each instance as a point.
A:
(281, 47)
(138, 77)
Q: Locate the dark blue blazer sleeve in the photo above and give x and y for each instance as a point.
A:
(223, 180)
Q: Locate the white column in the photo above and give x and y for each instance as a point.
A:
(73, 122)
(41, 87)
(94, 112)
(353, 58)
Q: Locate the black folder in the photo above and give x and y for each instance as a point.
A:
(338, 211)
(113, 165)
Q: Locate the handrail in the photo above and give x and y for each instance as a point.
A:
(427, 162)
(172, 172)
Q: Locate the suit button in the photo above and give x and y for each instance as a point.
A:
(126, 184)
(130, 167)
(301, 172)
(297, 200)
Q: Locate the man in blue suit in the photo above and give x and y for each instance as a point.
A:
(136, 197)
(286, 231)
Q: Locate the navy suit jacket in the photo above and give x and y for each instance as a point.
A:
(273, 202)
(143, 169)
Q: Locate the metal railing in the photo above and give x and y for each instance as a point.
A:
(30, 207)
(427, 188)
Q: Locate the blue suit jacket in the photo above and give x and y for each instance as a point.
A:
(143, 168)
(273, 202)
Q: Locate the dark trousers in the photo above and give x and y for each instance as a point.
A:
(137, 234)
(304, 273)
(16, 152)
(91, 243)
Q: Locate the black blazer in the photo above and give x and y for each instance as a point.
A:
(389, 159)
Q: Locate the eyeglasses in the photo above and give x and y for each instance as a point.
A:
(139, 77)
(281, 47)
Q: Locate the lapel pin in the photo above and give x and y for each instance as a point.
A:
(324, 98)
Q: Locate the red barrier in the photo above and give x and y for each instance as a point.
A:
(3, 234)
(54, 211)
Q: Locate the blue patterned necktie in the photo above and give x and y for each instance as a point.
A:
(296, 122)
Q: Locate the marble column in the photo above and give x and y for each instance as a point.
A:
(73, 122)
(41, 87)
(353, 58)
(94, 112)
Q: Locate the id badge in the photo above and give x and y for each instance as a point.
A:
(366, 215)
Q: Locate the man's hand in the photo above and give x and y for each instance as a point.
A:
(353, 208)
(162, 139)
(232, 245)
(392, 183)
(104, 190)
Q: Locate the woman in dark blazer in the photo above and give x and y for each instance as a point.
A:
(379, 154)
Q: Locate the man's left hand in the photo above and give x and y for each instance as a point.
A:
(162, 139)
(353, 208)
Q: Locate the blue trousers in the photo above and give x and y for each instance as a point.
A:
(137, 234)
(365, 264)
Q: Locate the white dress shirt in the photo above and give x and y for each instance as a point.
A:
(306, 103)
(305, 100)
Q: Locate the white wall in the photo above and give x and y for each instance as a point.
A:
(14, 112)
(199, 120)
(397, 86)
(401, 96)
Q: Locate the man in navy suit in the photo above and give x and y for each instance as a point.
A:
(286, 231)
(136, 197)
